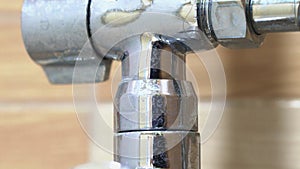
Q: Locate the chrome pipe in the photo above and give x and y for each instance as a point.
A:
(275, 15)
(156, 119)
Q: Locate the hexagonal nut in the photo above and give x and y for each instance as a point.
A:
(167, 112)
(230, 26)
(155, 104)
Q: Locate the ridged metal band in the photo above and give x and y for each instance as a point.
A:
(156, 104)
(204, 20)
(158, 149)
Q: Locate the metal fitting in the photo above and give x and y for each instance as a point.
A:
(158, 149)
(227, 23)
(170, 105)
(153, 67)
(156, 108)
(153, 94)
(275, 15)
(55, 32)
(244, 23)
(154, 105)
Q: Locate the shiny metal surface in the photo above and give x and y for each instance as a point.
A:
(275, 15)
(153, 56)
(114, 21)
(227, 23)
(153, 94)
(155, 107)
(54, 33)
(158, 149)
(170, 105)
(155, 117)
(244, 23)
(204, 14)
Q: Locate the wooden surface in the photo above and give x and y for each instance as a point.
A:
(255, 134)
(39, 129)
(32, 139)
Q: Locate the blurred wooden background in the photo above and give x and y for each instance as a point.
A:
(38, 126)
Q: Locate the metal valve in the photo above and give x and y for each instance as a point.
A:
(55, 31)
(244, 23)
(156, 108)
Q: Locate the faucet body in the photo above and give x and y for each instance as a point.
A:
(155, 117)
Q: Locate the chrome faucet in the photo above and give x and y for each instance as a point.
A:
(155, 117)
